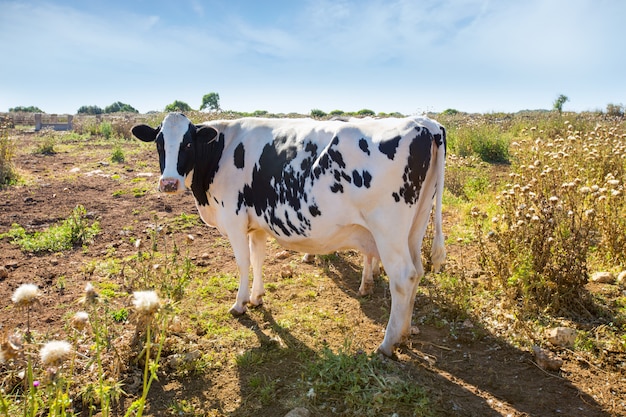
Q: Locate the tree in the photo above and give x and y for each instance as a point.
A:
(318, 113)
(211, 101)
(29, 109)
(118, 106)
(90, 110)
(178, 106)
(366, 112)
(558, 103)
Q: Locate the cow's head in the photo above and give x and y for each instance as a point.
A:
(177, 140)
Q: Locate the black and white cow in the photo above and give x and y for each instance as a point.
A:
(315, 187)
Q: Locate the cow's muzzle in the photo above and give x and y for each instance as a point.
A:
(168, 185)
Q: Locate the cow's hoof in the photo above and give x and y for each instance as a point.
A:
(308, 258)
(256, 304)
(365, 291)
(387, 353)
(236, 311)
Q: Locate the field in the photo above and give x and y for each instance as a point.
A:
(520, 262)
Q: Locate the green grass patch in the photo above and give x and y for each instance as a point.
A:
(363, 384)
(72, 232)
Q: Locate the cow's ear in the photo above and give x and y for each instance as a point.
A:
(145, 132)
(205, 134)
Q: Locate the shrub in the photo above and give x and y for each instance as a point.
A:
(564, 201)
(106, 129)
(117, 155)
(7, 150)
(318, 113)
(366, 112)
(486, 140)
(46, 146)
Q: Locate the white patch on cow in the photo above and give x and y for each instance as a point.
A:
(173, 128)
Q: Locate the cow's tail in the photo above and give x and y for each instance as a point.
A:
(438, 250)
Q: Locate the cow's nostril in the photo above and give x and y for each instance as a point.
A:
(169, 185)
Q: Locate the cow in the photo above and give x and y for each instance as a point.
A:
(315, 187)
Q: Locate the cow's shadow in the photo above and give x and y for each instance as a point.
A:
(471, 362)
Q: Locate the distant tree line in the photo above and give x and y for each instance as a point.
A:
(211, 102)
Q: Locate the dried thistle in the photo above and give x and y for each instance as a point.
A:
(55, 353)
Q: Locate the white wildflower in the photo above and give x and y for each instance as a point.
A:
(55, 352)
(554, 199)
(91, 296)
(585, 190)
(80, 320)
(146, 302)
(613, 182)
(25, 295)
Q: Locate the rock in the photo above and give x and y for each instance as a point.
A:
(546, 359)
(603, 277)
(308, 258)
(283, 255)
(561, 336)
(621, 278)
(298, 412)
(179, 360)
(286, 271)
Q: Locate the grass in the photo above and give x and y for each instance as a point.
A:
(362, 384)
(74, 231)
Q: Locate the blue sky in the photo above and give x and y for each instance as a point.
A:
(293, 56)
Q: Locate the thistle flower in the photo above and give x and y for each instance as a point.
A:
(55, 353)
(91, 296)
(146, 302)
(554, 199)
(80, 320)
(25, 295)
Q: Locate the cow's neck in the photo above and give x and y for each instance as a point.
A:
(206, 164)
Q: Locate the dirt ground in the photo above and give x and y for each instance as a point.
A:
(463, 374)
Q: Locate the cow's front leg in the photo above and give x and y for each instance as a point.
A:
(257, 256)
(242, 257)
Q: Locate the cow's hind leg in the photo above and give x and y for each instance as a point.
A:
(403, 280)
(367, 278)
(257, 256)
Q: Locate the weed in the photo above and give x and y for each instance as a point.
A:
(117, 155)
(72, 232)
(106, 130)
(364, 384)
(46, 147)
(556, 208)
(7, 151)
(120, 315)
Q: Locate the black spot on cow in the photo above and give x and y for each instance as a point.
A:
(357, 178)
(314, 210)
(389, 147)
(239, 156)
(334, 154)
(364, 146)
(417, 167)
(367, 179)
(201, 152)
(336, 188)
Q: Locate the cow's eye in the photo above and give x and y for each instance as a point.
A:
(188, 147)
